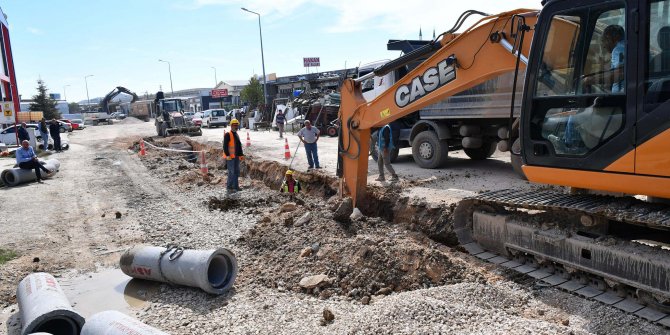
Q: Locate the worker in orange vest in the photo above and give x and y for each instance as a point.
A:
(232, 149)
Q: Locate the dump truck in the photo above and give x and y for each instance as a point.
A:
(170, 118)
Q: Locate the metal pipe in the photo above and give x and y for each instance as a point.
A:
(509, 47)
(16, 176)
(117, 323)
(214, 271)
(44, 307)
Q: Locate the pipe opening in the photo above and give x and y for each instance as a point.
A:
(58, 326)
(220, 271)
(10, 178)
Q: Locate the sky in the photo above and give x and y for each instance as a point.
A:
(120, 42)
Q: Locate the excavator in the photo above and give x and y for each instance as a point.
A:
(103, 114)
(595, 119)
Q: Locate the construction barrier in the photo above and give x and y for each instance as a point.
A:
(214, 271)
(203, 164)
(44, 307)
(117, 323)
(287, 151)
(142, 150)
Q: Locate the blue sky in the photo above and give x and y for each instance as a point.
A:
(120, 42)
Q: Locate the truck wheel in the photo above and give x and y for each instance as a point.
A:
(515, 159)
(332, 131)
(428, 151)
(485, 151)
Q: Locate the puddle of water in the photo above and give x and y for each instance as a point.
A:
(107, 290)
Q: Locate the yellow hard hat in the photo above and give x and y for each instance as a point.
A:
(234, 121)
(289, 172)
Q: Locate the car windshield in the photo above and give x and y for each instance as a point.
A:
(219, 112)
(77, 121)
(170, 106)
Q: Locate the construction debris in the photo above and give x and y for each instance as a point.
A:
(314, 281)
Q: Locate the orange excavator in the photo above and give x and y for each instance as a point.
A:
(595, 117)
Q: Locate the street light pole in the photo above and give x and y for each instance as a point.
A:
(265, 85)
(88, 100)
(216, 82)
(169, 71)
(64, 94)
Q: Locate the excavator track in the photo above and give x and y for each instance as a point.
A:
(610, 249)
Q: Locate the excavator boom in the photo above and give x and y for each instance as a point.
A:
(480, 53)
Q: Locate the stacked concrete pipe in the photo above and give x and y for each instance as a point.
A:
(117, 323)
(44, 307)
(17, 176)
(214, 271)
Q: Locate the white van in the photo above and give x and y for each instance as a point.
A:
(214, 118)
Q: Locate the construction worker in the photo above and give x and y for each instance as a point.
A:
(232, 148)
(384, 147)
(290, 185)
(281, 120)
(309, 135)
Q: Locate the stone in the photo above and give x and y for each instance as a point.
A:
(306, 252)
(384, 291)
(565, 322)
(288, 207)
(344, 210)
(118, 215)
(314, 281)
(356, 214)
(304, 219)
(365, 300)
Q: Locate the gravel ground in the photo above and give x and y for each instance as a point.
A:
(161, 204)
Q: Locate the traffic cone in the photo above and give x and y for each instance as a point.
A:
(248, 140)
(203, 164)
(287, 152)
(143, 152)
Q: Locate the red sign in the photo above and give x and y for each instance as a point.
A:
(220, 93)
(311, 61)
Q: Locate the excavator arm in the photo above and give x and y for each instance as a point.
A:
(104, 103)
(485, 50)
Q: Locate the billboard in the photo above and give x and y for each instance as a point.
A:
(311, 61)
(220, 93)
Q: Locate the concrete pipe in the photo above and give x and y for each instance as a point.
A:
(214, 271)
(503, 146)
(117, 323)
(503, 133)
(44, 307)
(472, 142)
(469, 130)
(17, 176)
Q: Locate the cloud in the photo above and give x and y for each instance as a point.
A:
(35, 31)
(398, 17)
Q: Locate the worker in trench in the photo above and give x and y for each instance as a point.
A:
(232, 149)
(290, 185)
(384, 146)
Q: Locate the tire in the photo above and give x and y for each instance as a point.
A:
(485, 151)
(332, 131)
(209, 125)
(428, 151)
(61, 130)
(515, 159)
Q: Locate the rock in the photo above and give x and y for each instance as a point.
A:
(103, 215)
(384, 291)
(316, 246)
(287, 207)
(118, 215)
(344, 210)
(306, 252)
(304, 219)
(200, 183)
(565, 322)
(365, 300)
(36, 260)
(266, 219)
(328, 316)
(314, 281)
(356, 215)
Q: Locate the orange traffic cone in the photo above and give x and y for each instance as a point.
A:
(143, 152)
(248, 140)
(203, 164)
(287, 152)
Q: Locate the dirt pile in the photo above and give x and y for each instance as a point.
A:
(363, 258)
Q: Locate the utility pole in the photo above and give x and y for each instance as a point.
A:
(88, 100)
(216, 82)
(65, 95)
(265, 84)
(170, 71)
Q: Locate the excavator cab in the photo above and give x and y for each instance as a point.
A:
(595, 111)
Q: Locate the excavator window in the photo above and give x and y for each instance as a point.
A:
(657, 81)
(579, 100)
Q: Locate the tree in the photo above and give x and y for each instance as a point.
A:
(43, 103)
(252, 93)
(74, 107)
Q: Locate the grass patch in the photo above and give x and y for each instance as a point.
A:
(6, 255)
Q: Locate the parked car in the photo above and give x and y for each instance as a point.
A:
(68, 125)
(8, 135)
(78, 124)
(189, 115)
(197, 121)
(214, 118)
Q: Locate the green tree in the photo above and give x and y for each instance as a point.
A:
(43, 103)
(74, 107)
(252, 93)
